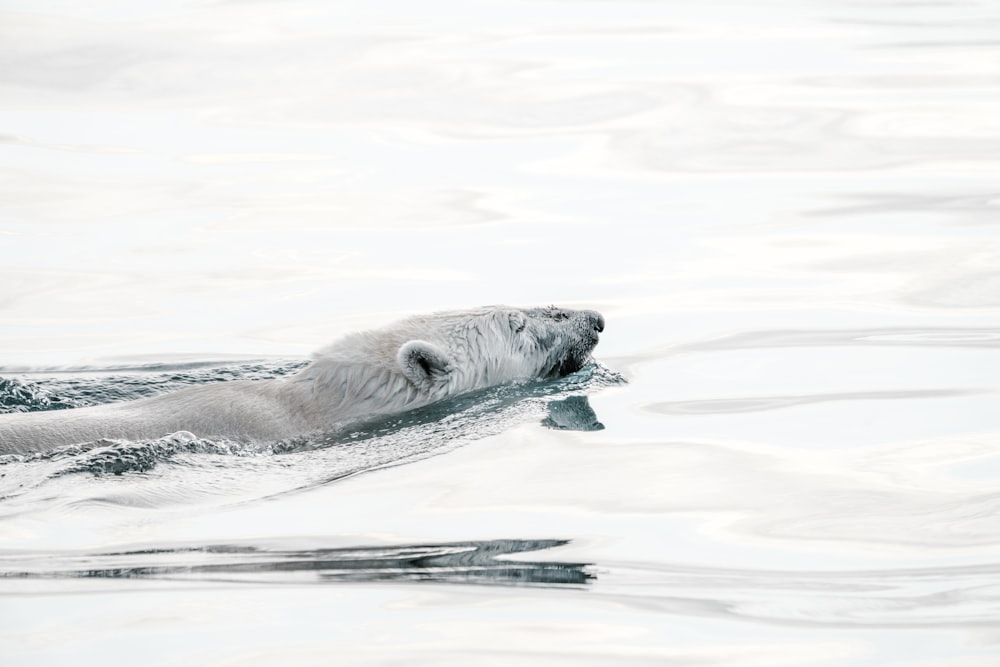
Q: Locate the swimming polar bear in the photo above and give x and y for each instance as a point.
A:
(411, 363)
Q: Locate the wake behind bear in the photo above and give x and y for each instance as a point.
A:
(406, 365)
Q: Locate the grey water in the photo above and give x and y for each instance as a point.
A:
(787, 451)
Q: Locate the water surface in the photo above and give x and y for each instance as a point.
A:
(787, 213)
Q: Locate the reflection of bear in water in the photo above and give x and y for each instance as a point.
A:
(414, 362)
(572, 414)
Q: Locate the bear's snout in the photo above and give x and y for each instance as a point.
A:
(595, 319)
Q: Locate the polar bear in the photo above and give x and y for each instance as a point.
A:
(405, 365)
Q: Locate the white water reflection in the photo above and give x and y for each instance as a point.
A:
(721, 405)
(785, 211)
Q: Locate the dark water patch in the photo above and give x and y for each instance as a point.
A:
(478, 562)
(96, 386)
(19, 396)
(179, 364)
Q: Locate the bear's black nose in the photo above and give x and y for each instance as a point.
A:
(596, 319)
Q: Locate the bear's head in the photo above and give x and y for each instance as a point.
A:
(427, 358)
(456, 352)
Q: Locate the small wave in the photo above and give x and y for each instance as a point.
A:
(19, 396)
(117, 457)
(79, 388)
(179, 363)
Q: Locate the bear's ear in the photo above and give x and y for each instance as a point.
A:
(423, 363)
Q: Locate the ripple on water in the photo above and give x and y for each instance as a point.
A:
(479, 563)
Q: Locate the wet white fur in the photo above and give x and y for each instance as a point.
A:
(408, 364)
